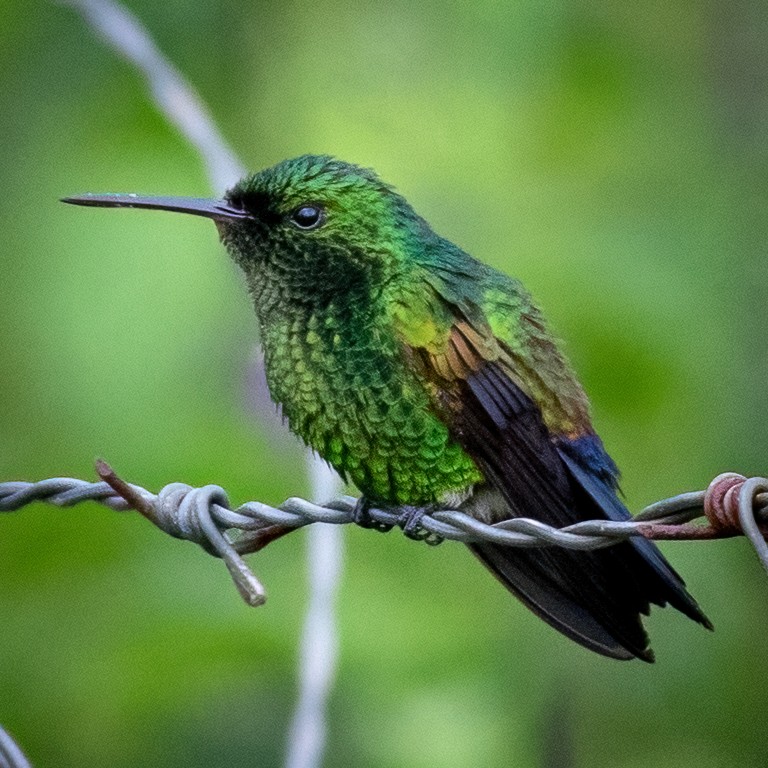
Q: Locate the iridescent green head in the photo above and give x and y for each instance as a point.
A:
(317, 221)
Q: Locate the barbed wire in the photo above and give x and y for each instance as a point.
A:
(732, 505)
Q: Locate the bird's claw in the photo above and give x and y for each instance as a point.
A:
(408, 518)
(410, 521)
(361, 515)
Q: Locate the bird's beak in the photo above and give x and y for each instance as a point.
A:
(219, 210)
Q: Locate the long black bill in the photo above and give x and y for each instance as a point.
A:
(197, 206)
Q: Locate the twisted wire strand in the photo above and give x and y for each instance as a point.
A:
(732, 505)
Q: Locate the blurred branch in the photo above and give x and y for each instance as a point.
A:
(319, 644)
(175, 98)
(556, 728)
(10, 754)
(732, 505)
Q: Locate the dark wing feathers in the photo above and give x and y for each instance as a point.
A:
(530, 585)
(595, 598)
(586, 595)
(579, 456)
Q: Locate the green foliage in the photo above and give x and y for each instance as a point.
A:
(612, 156)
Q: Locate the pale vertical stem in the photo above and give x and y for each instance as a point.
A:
(11, 755)
(175, 98)
(319, 643)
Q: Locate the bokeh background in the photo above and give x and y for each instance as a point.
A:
(613, 156)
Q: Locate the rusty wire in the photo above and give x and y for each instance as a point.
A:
(732, 505)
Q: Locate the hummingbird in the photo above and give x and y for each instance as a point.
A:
(431, 381)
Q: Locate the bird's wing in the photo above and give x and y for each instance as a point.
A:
(493, 381)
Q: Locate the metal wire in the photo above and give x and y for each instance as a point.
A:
(732, 506)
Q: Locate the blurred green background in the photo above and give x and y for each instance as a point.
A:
(613, 156)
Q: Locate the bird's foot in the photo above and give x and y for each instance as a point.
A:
(361, 515)
(410, 521)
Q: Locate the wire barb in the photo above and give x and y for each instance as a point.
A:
(732, 506)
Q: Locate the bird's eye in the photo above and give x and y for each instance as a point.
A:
(308, 217)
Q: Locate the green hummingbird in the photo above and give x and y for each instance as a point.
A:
(431, 381)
